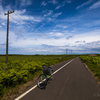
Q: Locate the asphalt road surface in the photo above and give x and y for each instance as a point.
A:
(73, 82)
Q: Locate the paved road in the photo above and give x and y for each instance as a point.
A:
(73, 82)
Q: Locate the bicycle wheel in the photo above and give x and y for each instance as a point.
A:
(42, 81)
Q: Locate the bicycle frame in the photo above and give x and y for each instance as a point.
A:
(47, 76)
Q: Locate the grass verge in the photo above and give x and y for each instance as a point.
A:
(12, 92)
(94, 69)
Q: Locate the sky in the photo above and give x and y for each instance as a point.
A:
(50, 26)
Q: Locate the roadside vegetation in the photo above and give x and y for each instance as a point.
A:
(22, 68)
(93, 63)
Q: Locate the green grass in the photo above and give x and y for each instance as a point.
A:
(29, 57)
(7, 92)
(94, 67)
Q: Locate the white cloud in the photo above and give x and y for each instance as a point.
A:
(84, 4)
(61, 26)
(2, 36)
(2, 16)
(25, 2)
(53, 2)
(1, 8)
(92, 47)
(40, 26)
(44, 3)
(87, 41)
(68, 1)
(64, 27)
(3, 45)
(19, 17)
(48, 12)
(50, 19)
(93, 23)
(27, 40)
(95, 5)
(20, 11)
(63, 4)
(59, 34)
(3, 23)
(87, 37)
(13, 37)
(56, 34)
(58, 7)
(43, 50)
(57, 14)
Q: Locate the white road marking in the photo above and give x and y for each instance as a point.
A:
(26, 93)
(36, 85)
(86, 66)
(62, 67)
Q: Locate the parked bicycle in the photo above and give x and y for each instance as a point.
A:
(45, 77)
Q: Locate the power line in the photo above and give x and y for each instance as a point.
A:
(24, 25)
(41, 35)
(24, 18)
(37, 33)
(28, 27)
(26, 21)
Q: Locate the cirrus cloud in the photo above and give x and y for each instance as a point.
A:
(84, 4)
(57, 14)
(44, 3)
(95, 5)
(53, 2)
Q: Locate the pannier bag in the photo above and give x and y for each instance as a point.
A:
(46, 71)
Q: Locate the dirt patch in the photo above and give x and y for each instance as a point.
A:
(92, 55)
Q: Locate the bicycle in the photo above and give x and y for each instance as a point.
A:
(45, 77)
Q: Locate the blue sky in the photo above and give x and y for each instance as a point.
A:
(50, 26)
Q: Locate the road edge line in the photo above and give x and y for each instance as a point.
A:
(93, 75)
(62, 67)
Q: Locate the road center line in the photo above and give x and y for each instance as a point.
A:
(36, 84)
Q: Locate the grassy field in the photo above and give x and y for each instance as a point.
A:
(30, 57)
(22, 68)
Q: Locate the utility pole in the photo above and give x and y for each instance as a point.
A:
(71, 52)
(66, 51)
(7, 33)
